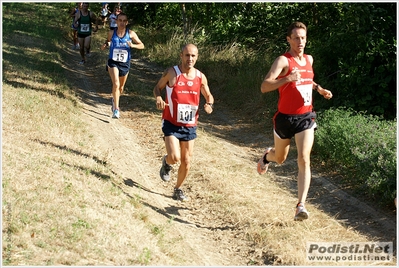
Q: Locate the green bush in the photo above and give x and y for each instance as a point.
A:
(362, 148)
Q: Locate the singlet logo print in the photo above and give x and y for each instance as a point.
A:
(180, 83)
(190, 83)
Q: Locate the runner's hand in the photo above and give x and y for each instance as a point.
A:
(295, 75)
(326, 93)
(161, 104)
(208, 108)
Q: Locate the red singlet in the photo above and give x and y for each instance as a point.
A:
(183, 98)
(296, 97)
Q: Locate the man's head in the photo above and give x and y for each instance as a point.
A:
(295, 25)
(121, 19)
(189, 55)
(296, 36)
(85, 6)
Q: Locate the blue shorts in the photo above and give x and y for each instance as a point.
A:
(181, 133)
(286, 126)
(123, 67)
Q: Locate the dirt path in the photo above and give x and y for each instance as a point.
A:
(133, 148)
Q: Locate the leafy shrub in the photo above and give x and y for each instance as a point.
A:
(362, 147)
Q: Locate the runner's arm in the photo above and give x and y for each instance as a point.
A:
(137, 44)
(76, 20)
(163, 81)
(279, 67)
(94, 18)
(72, 13)
(108, 40)
(206, 92)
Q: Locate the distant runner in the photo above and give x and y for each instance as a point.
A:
(83, 22)
(121, 40)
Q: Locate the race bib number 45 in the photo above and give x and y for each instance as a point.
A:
(120, 55)
(186, 113)
(84, 28)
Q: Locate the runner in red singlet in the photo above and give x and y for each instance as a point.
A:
(292, 74)
(183, 84)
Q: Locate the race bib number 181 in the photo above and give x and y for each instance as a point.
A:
(186, 113)
(306, 93)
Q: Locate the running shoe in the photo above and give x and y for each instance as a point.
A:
(164, 172)
(179, 195)
(82, 62)
(301, 213)
(262, 167)
(77, 46)
(116, 114)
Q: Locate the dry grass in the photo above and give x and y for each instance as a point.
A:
(259, 208)
(58, 192)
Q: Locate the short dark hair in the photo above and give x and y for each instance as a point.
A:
(294, 25)
(121, 14)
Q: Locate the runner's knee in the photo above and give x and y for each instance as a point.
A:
(186, 161)
(175, 159)
(303, 161)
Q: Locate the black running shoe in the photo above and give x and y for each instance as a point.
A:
(165, 170)
(179, 195)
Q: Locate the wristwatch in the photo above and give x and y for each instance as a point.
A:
(210, 104)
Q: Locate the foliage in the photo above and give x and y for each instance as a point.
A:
(362, 71)
(354, 44)
(364, 149)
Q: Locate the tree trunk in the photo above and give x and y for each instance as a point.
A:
(184, 19)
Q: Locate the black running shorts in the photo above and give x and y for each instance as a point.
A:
(83, 35)
(286, 126)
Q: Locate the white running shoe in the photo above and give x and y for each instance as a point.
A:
(301, 213)
(116, 114)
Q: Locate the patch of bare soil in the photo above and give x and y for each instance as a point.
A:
(134, 148)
